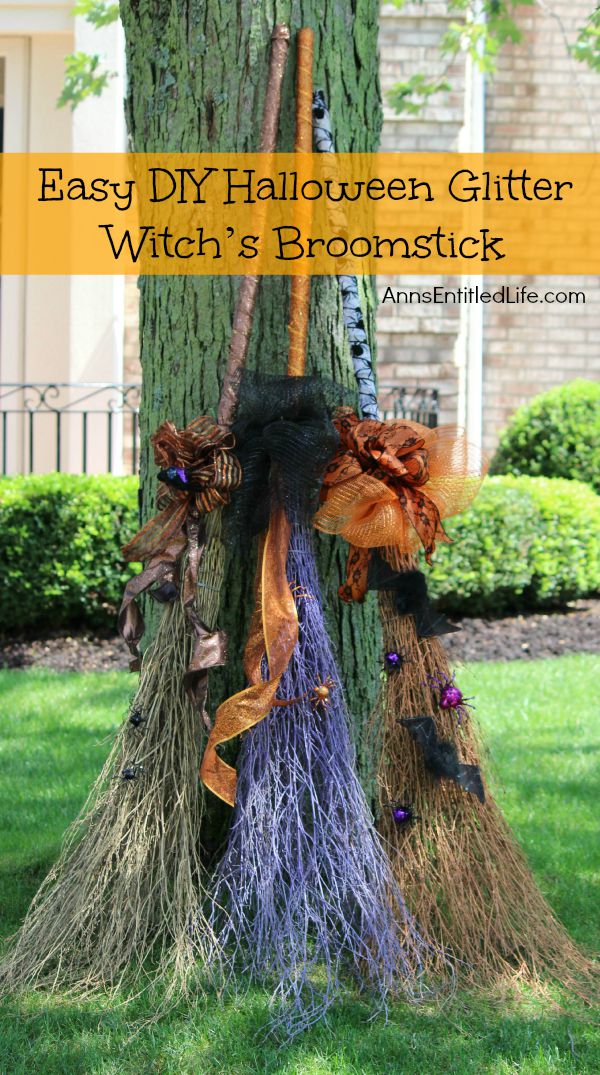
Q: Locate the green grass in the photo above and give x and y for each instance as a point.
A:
(543, 732)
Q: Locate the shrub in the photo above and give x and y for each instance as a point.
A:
(60, 538)
(557, 435)
(525, 543)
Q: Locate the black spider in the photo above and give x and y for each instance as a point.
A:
(137, 718)
(131, 772)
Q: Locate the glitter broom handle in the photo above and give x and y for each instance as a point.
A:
(300, 290)
(246, 300)
(360, 351)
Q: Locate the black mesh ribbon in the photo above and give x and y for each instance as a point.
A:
(285, 438)
(410, 597)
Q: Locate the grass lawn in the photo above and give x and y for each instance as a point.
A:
(542, 727)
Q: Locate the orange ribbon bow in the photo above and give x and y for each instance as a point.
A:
(391, 484)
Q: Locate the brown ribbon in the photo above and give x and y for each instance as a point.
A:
(203, 451)
(273, 633)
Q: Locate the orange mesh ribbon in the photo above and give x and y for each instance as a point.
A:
(273, 633)
(202, 454)
(391, 483)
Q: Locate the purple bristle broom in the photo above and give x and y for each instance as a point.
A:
(304, 891)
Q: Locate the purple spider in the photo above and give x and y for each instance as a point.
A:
(177, 477)
(450, 697)
(402, 813)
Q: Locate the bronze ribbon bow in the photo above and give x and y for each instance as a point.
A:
(199, 473)
(391, 484)
(273, 634)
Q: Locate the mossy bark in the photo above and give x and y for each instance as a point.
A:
(197, 72)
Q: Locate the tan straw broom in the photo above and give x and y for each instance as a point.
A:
(129, 879)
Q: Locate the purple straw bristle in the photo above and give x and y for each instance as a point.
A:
(304, 891)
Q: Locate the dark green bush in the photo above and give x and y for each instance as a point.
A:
(526, 543)
(557, 435)
(60, 539)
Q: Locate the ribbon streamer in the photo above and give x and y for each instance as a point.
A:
(199, 474)
(273, 633)
(360, 351)
(409, 588)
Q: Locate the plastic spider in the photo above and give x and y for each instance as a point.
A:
(402, 813)
(300, 593)
(450, 696)
(137, 718)
(393, 659)
(320, 694)
(131, 772)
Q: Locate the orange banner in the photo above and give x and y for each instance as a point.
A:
(231, 214)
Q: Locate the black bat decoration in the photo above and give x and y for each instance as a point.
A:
(411, 597)
(441, 758)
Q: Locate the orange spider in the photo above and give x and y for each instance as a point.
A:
(300, 593)
(319, 696)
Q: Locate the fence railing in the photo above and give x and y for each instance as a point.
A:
(85, 426)
(90, 427)
(416, 404)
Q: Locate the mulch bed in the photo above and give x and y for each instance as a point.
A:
(576, 630)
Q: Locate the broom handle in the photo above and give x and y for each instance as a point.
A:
(246, 300)
(300, 290)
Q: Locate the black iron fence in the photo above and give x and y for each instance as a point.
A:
(91, 427)
(416, 404)
(86, 426)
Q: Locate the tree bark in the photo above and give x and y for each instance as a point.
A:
(197, 72)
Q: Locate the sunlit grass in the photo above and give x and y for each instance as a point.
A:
(542, 728)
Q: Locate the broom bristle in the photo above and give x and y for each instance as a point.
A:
(129, 878)
(304, 880)
(461, 870)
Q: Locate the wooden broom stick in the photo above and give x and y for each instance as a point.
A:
(246, 301)
(300, 291)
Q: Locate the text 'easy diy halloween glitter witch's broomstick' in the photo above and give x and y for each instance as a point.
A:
(130, 876)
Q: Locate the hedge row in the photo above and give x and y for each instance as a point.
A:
(555, 435)
(60, 539)
(526, 543)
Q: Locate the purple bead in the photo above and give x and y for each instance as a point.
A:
(451, 697)
(401, 814)
(392, 659)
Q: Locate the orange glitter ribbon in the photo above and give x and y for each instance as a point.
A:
(273, 634)
(391, 484)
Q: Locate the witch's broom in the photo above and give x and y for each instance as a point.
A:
(305, 889)
(130, 877)
(464, 876)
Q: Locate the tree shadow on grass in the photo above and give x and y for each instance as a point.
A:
(467, 1036)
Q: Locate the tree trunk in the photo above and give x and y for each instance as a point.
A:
(197, 74)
